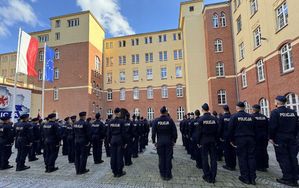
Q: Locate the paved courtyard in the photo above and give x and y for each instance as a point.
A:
(144, 173)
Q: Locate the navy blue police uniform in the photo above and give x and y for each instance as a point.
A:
(196, 152)
(135, 132)
(36, 138)
(128, 126)
(106, 142)
(70, 138)
(63, 130)
(165, 130)
(97, 137)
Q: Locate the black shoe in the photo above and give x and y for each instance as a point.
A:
(34, 159)
(53, 169)
(228, 168)
(285, 182)
(129, 164)
(206, 179)
(135, 156)
(121, 174)
(85, 171)
(213, 181)
(6, 167)
(244, 181)
(23, 168)
(78, 173)
(262, 169)
(253, 182)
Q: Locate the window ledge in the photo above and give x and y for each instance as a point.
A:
(253, 14)
(244, 87)
(257, 47)
(220, 77)
(222, 104)
(261, 81)
(278, 30)
(288, 72)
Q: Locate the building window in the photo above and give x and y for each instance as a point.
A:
(149, 57)
(257, 37)
(180, 54)
(160, 56)
(175, 54)
(109, 112)
(241, 51)
(163, 38)
(191, 8)
(247, 107)
(109, 78)
(43, 38)
(215, 21)
(135, 75)
(56, 73)
(93, 107)
(180, 113)
(218, 45)
(253, 6)
(122, 76)
(55, 94)
(163, 73)
(122, 60)
(137, 112)
(174, 37)
(220, 69)
(293, 102)
(122, 94)
(135, 59)
(109, 95)
(97, 63)
(239, 24)
(238, 3)
(41, 56)
(179, 91)
(222, 97)
(136, 93)
(165, 55)
(164, 92)
(282, 15)
(178, 72)
(57, 23)
(260, 70)
(40, 75)
(150, 93)
(73, 22)
(286, 58)
(264, 103)
(122, 43)
(57, 54)
(244, 79)
(223, 19)
(57, 36)
(150, 114)
(149, 74)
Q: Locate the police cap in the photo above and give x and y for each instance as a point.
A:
(51, 116)
(24, 116)
(35, 119)
(205, 107)
(163, 110)
(256, 107)
(98, 115)
(73, 117)
(241, 104)
(117, 110)
(5, 117)
(81, 114)
(66, 119)
(282, 99)
(226, 107)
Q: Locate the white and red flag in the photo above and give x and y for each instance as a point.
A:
(28, 50)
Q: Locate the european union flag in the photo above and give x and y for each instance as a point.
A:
(49, 69)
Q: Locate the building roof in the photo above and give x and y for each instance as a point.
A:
(226, 2)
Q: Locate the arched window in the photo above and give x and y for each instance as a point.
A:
(247, 107)
(215, 21)
(260, 70)
(180, 113)
(136, 93)
(218, 45)
(164, 91)
(97, 63)
(137, 112)
(57, 54)
(150, 93)
(293, 102)
(122, 94)
(179, 90)
(264, 103)
(244, 79)
(222, 97)
(109, 95)
(150, 114)
(220, 69)
(223, 19)
(286, 58)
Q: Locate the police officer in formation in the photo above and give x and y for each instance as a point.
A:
(23, 141)
(128, 137)
(116, 139)
(7, 135)
(207, 132)
(196, 152)
(70, 137)
(51, 134)
(97, 137)
(242, 132)
(63, 132)
(262, 126)
(165, 130)
(82, 142)
(282, 134)
(36, 138)
(106, 143)
(229, 150)
(135, 132)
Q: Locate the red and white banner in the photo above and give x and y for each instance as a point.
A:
(27, 54)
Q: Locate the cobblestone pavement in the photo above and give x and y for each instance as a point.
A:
(143, 173)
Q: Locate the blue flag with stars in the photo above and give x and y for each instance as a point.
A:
(49, 69)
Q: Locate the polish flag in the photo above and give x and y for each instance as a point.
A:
(27, 54)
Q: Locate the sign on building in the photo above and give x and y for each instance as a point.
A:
(23, 101)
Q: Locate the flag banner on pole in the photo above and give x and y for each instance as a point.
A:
(27, 55)
(49, 68)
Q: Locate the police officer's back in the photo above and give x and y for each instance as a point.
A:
(97, 136)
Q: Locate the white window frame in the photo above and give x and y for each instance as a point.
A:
(257, 34)
(178, 72)
(247, 107)
(109, 112)
(149, 76)
(164, 92)
(150, 92)
(222, 98)
(175, 54)
(218, 45)
(244, 79)
(253, 6)
(109, 78)
(293, 102)
(56, 94)
(97, 63)
(122, 76)
(223, 19)
(135, 75)
(41, 56)
(260, 67)
(220, 71)
(150, 114)
(136, 93)
(286, 58)
(122, 94)
(165, 56)
(264, 103)
(282, 15)
(180, 113)
(179, 91)
(215, 21)
(109, 95)
(180, 52)
(163, 73)
(239, 24)
(56, 73)
(241, 51)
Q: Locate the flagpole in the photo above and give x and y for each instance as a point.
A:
(44, 77)
(16, 77)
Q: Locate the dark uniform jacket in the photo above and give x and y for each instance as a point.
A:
(128, 127)
(98, 130)
(165, 130)
(194, 123)
(51, 133)
(262, 125)
(82, 132)
(24, 132)
(223, 126)
(6, 134)
(207, 129)
(283, 124)
(116, 132)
